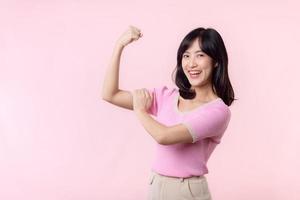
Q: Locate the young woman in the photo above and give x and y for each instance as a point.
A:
(189, 120)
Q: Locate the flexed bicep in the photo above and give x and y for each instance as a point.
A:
(122, 99)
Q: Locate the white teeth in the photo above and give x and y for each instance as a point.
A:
(194, 73)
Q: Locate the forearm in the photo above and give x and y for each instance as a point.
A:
(154, 128)
(111, 79)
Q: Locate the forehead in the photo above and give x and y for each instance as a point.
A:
(194, 47)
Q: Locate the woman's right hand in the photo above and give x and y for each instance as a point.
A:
(131, 34)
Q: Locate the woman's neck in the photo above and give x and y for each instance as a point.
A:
(204, 94)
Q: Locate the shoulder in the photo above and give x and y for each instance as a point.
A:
(224, 108)
(219, 111)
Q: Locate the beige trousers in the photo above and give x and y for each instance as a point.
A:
(162, 187)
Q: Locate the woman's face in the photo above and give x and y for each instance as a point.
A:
(197, 65)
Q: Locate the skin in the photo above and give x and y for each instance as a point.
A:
(141, 97)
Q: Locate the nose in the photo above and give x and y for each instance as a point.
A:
(192, 63)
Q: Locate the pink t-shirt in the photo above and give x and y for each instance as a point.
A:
(206, 124)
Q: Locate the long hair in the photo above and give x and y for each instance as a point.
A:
(212, 44)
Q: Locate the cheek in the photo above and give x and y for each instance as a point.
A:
(208, 72)
(184, 66)
(207, 65)
(203, 61)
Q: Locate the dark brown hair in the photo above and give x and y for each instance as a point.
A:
(212, 44)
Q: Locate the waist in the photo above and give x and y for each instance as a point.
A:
(177, 178)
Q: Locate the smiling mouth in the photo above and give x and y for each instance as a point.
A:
(195, 74)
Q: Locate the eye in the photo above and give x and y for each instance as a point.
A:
(185, 56)
(200, 55)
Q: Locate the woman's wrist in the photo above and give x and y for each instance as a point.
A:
(119, 45)
(140, 111)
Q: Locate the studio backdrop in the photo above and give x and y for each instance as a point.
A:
(59, 140)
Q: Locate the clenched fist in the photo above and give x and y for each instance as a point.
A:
(142, 100)
(131, 34)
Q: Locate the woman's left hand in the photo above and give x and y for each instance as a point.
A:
(142, 100)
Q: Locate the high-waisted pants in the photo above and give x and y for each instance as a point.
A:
(162, 187)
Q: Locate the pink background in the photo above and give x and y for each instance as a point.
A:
(60, 141)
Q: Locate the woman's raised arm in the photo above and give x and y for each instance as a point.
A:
(110, 90)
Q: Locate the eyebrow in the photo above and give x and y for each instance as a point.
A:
(195, 51)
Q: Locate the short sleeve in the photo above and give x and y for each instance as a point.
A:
(158, 94)
(209, 123)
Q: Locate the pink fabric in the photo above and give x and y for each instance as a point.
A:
(206, 124)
